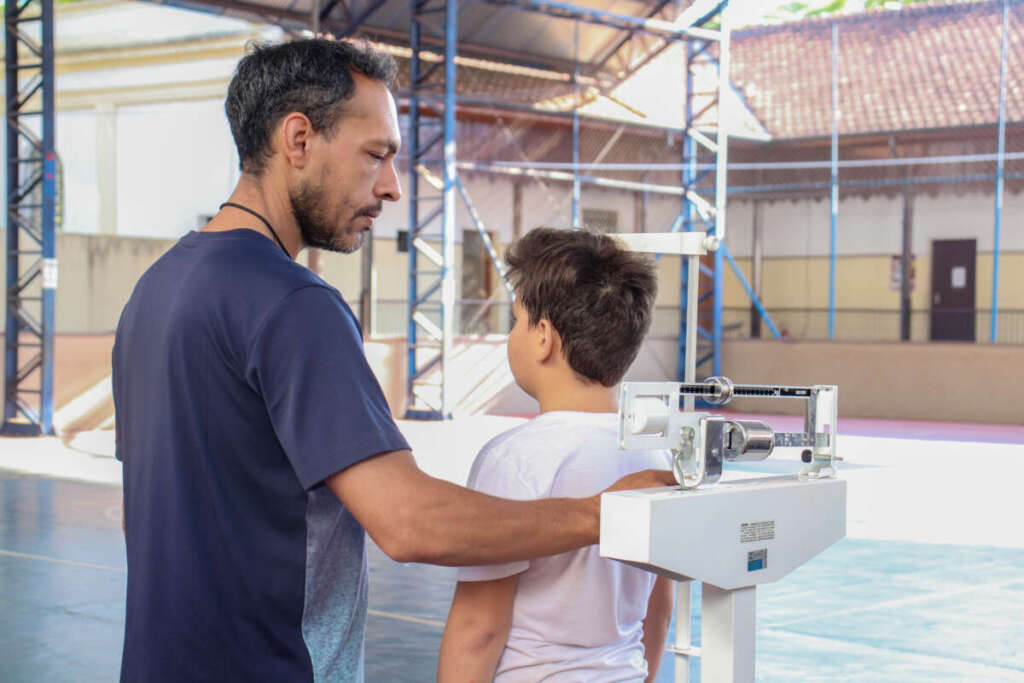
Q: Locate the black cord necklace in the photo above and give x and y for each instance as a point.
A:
(265, 222)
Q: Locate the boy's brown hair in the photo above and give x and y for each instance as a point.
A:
(597, 295)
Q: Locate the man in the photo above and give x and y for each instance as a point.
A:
(256, 442)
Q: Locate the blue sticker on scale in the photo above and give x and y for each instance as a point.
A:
(757, 560)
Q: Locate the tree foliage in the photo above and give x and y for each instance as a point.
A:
(791, 11)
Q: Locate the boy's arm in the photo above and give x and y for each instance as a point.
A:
(476, 631)
(659, 613)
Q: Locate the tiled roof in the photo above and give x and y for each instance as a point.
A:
(921, 67)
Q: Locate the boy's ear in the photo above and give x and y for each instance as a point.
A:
(549, 343)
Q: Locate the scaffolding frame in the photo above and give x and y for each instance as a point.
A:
(31, 219)
(431, 205)
(433, 180)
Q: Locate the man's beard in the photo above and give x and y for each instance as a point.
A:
(307, 206)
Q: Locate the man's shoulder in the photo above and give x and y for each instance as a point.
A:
(240, 265)
(227, 288)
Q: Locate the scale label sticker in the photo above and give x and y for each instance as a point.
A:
(49, 273)
(751, 532)
(757, 560)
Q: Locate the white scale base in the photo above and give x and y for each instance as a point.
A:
(731, 537)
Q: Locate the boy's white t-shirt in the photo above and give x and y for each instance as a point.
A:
(576, 616)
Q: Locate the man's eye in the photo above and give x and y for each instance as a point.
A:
(378, 157)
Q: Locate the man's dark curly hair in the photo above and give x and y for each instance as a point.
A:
(312, 76)
(597, 295)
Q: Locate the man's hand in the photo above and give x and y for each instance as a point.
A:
(645, 479)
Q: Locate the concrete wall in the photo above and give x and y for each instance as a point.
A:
(936, 381)
(863, 283)
(955, 382)
(97, 275)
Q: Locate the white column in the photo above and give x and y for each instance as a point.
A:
(727, 634)
(106, 166)
(683, 643)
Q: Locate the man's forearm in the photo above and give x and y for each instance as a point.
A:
(455, 526)
(414, 517)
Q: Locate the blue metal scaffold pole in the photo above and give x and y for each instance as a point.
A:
(431, 207)
(708, 357)
(1000, 175)
(31, 219)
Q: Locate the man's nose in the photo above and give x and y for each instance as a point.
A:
(389, 186)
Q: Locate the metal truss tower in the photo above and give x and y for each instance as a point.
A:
(704, 131)
(31, 219)
(432, 187)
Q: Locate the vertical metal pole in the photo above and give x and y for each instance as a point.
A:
(366, 291)
(448, 204)
(834, 195)
(645, 208)
(716, 333)
(32, 210)
(722, 131)
(13, 179)
(905, 262)
(49, 288)
(576, 125)
(692, 304)
(688, 304)
(517, 208)
(313, 261)
(414, 195)
(683, 642)
(721, 177)
(1000, 179)
(757, 254)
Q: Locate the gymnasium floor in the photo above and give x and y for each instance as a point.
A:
(929, 584)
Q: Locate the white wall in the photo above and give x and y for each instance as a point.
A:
(874, 226)
(174, 162)
(77, 147)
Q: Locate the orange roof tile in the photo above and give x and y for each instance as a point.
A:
(918, 68)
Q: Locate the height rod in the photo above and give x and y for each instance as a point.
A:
(834, 180)
(576, 125)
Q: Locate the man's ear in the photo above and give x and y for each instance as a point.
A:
(295, 133)
(549, 342)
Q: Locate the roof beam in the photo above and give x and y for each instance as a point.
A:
(624, 22)
(612, 51)
(358, 20)
(290, 19)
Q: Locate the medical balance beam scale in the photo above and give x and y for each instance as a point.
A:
(734, 535)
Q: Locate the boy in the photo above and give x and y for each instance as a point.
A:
(583, 305)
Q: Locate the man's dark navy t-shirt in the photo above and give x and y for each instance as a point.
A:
(240, 384)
